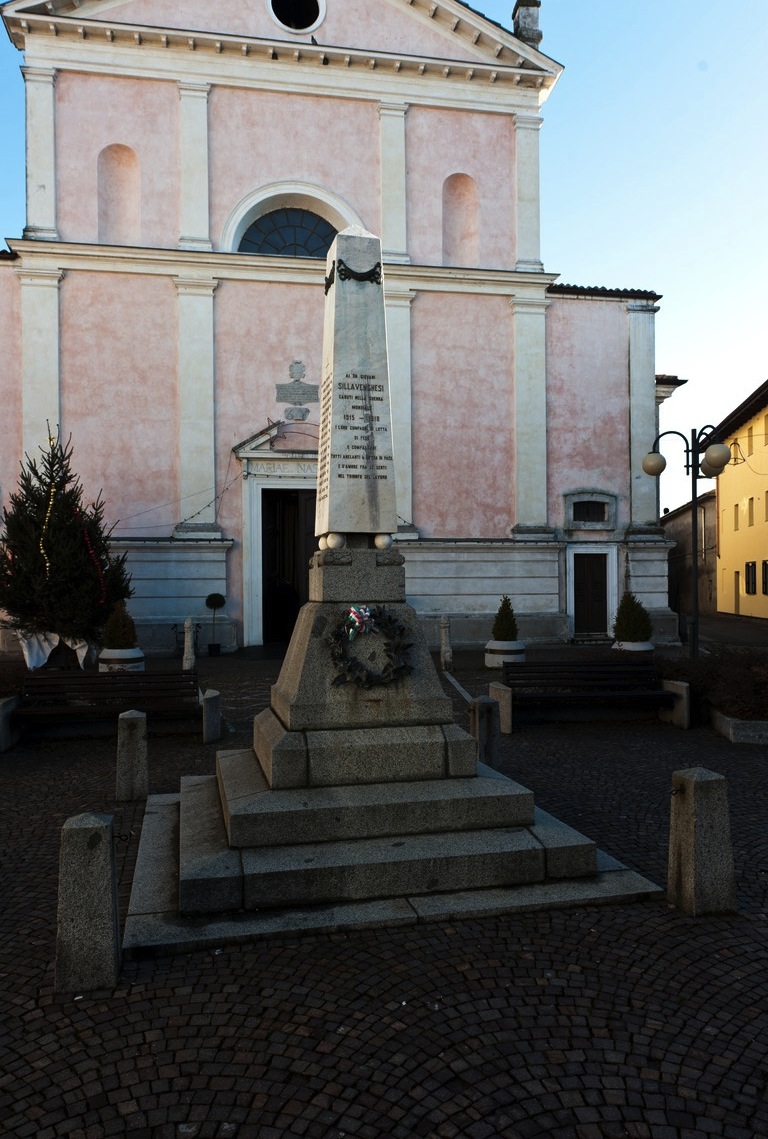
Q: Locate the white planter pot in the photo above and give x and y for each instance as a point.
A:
(633, 646)
(498, 653)
(121, 660)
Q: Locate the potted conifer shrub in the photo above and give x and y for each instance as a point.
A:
(504, 645)
(120, 652)
(632, 627)
(214, 602)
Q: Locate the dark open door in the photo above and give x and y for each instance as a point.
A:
(590, 595)
(287, 543)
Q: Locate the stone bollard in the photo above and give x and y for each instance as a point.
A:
(701, 876)
(87, 935)
(188, 660)
(484, 726)
(211, 716)
(446, 652)
(132, 780)
(502, 694)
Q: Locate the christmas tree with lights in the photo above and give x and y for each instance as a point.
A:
(57, 574)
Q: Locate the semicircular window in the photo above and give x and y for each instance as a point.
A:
(288, 232)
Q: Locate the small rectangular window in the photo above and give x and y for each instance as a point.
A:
(765, 430)
(750, 577)
(735, 515)
(751, 512)
(765, 579)
(750, 441)
(585, 510)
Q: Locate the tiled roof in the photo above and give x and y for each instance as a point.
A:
(602, 291)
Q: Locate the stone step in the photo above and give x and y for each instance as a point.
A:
(154, 923)
(322, 873)
(256, 816)
(210, 874)
(214, 878)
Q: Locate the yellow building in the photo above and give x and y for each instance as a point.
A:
(742, 502)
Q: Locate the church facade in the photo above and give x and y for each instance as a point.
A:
(188, 167)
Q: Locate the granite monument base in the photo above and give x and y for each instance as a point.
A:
(359, 790)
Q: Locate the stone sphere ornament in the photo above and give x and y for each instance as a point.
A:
(336, 541)
(383, 541)
(322, 543)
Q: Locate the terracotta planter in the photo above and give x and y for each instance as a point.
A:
(498, 653)
(121, 660)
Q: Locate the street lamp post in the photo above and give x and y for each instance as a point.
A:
(705, 457)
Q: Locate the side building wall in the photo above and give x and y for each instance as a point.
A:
(742, 500)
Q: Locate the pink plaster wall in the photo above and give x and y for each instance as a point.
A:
(377, 25)
(587, 400)
(119, 395)
(462, 416)
(441, 143)
(259, 137)
(10, 386)
(261, 329)
(93, 112)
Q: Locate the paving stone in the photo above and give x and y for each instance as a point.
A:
(453, 1024)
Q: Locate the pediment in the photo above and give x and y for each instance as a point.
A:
(280, 441)
(408, 33)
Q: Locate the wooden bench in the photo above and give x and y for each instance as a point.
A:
(70, 697)
(587, 684)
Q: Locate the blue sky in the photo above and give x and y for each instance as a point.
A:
(654, 176)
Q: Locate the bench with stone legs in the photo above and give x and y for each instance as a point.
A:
(594, 686)
(76, 698)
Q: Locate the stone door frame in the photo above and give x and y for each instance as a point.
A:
(610, 550)
(264, 469)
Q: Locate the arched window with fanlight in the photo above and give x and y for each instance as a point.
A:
(290, 231)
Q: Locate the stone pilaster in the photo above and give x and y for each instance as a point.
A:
(527, 194)
(197, 454)
(530, 410)
(394, 230)
(398, 319)
(39, 89)
(194, 221)
(644, 507)
(41, 401)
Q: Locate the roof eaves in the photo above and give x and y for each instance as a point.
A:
(746, 410)
(602, 291)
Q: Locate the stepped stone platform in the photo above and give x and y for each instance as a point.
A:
(156, 925)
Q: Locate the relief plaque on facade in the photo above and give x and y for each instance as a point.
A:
(297, 393)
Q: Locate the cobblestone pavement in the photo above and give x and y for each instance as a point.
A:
(590, 1023)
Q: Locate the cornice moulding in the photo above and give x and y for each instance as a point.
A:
(134, 49)
(193, 266)
(481, 37)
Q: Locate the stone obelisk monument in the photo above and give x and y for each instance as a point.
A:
(356, 472)
(359, 785)
(358, 699)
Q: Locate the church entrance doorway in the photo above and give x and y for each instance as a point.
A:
(591, 587)
(287, 543)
